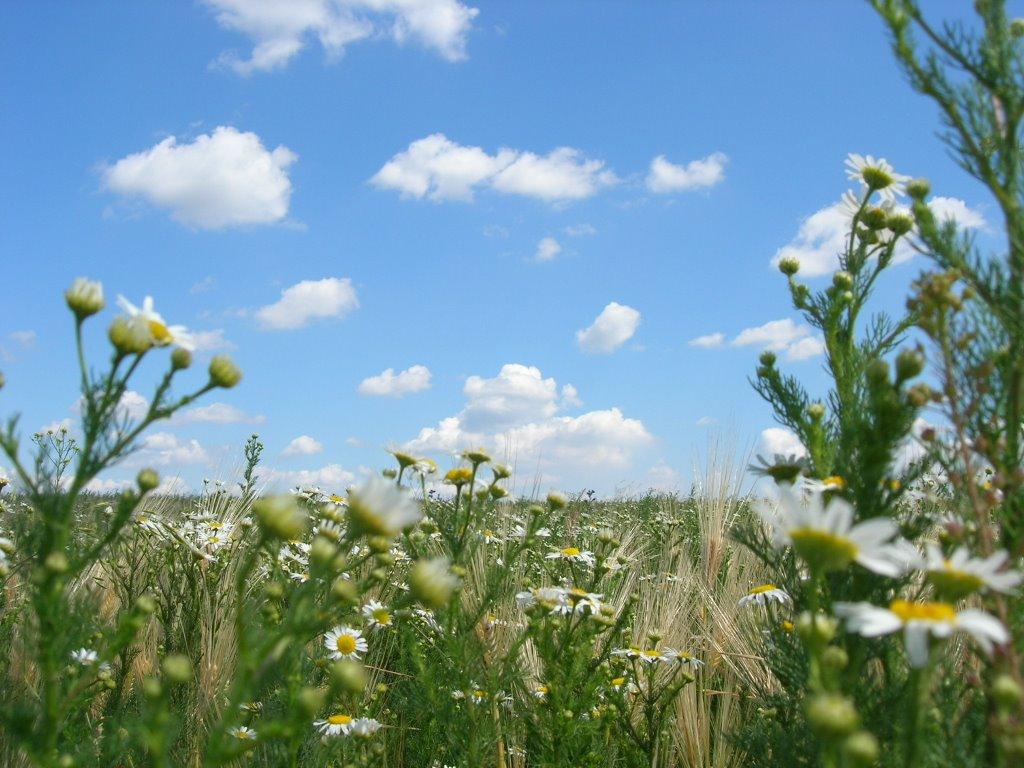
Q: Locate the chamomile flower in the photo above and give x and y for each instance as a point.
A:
(780, 467)
(572, 555)
(646, 655)
(345, 643)
(159, 331)
(380, 507)
(826, 537)
(764, 595)
(365, 727)
(335, 725)
(376, 614)
(960, 574)
(243, 732)
(85, 656)
(876, 174)
(919, 622)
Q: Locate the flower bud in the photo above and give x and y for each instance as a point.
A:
(344, 590)
(918, 189)
(832, 716)
(56, 562)
(84, 297)
(789, 266)
(432, 582)
(3, 380)
(767, 359)
(860, 748)
(311, 700)
(834, 657)
(556, 500)
(476, 456)
(1007, 692)
(281, 517)
(349, 676)
(816, 630)
(181, 359)
(501, 472)
(177, 668)
(909, 363)
(842, 280)
(129, 338)
(874, 217)
(147, 479)
(223, 372)
(816, 411)
(878, 371)
(899, 223)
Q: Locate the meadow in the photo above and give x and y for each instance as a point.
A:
(858, 606)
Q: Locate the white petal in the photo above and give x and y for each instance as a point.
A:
(916, 639)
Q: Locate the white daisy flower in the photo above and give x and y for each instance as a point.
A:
(765, 594)
(85, 656)
(159, 331)
(876, 174)
(381, 507)
(243, 732)
(365, 727)
(826, 537)
(921, 620)
(345, 643)
(960, 574)
(573, 555)
(376, 614)
(335, 725)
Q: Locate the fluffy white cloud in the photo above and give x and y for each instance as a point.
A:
(309, 300)
(610, 330)
(708, 341)
(211, 341)
(332, 477)
(662, 477)
(303, 445)
(796, 340)
(415, 378)
(547, 249)
(223, 179)
(580, 230)
(519, 415)
(25, 338)
(163, 449)
(780, 440)
(439, 169)
(280, 30)
(218, 413)
(665, 177)
(822, 235)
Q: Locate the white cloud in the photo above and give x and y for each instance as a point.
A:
(709, 341)
(204, 285)
(780, 440)
(219, 413)
(665, 177)
(439, 169)
(164, 449)
(822, 235)
(280, 30)
(610, 330)
(547, 249)
(662, 477)
(62, 425)
(796, 340)
(25, 338)
(332, 477)
(518, 415)
(303, 445)
(415, 378)
(308, 300)
(219, 180)
(211, 341)
(805, 348)
(707, 421)
(580, 230)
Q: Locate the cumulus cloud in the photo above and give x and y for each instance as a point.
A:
(303, 445)
(223, 179)
(164, 449)
(662, 477)
(547, 249)
(821, 237)
(665, 177)
(415, 378)
(307, 301)
(610, 330)
(211, 341)
(279, 31)
(780, 440)
(708, 341)
(519, 413)
(580, 230)
(439, 169)
(218, 413)
(25, 338)
(796, 340)
(331, 477)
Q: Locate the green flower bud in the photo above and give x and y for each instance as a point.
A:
(177, 668)
(281, 517)
(878, 371)
(476, 456)
(1007, 692)
(909, 363)
(84, 298)
(842, 280)
(56, 562)
(223, 372)
(556, 500)
(816, 630)
(432, 582)
(835, 657)
(3, 380)
(860, 748)
(832, 716)
(151, 688)
(181, 359)
(900, 223)
(147, 479)
(311, 700)
(816, 411)
(873, 217)
(129, 338)
(789, 266)
(918, 189)
(390, 473)
(322, 552)
(344, 590)
(145, 604)
(767, 359)
(349, 676)
(501, 472)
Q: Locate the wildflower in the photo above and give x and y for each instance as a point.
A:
(765, 594)
(876, 175)
(345, 643)
(376, 615)
(129, 338)
(223, 372)
(540, 692)
(646, 655)
(281, 517)
(243, 732)
(960, 574)
(458, 476)
(921, 620)
(85, 656)
(583, 601)
(364, 727)
(432, 582)
(782, 468)
(161, 334)
(335, 725)
(405, 460)
(826, 537)
(380, 507)
(573, 555)
(424, 467)
(476, 456)
(85, 297)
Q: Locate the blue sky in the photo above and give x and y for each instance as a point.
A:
(327, 192)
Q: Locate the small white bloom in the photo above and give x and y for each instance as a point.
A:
(876, 174)
(345, 643)
(572, 555)
(960, 574)
(381, 507)
(765, 594)
(243, 732)
(85, 656)
(161, 334)
(376, 614)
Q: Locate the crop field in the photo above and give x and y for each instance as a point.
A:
(846, 595)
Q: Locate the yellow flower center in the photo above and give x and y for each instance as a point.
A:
(339, 719)
(954, 584)
(161, 333)
(346, 644)
(822, 549)
(618, 681)
(762, 589)
(571, 552)
(381, 616)
(336, 499)
(835, 481)
(652, 653)
(787, 626)
(908, 611)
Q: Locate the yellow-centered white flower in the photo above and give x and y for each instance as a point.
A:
(380, 507)
(162, 334)
(960, 574)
